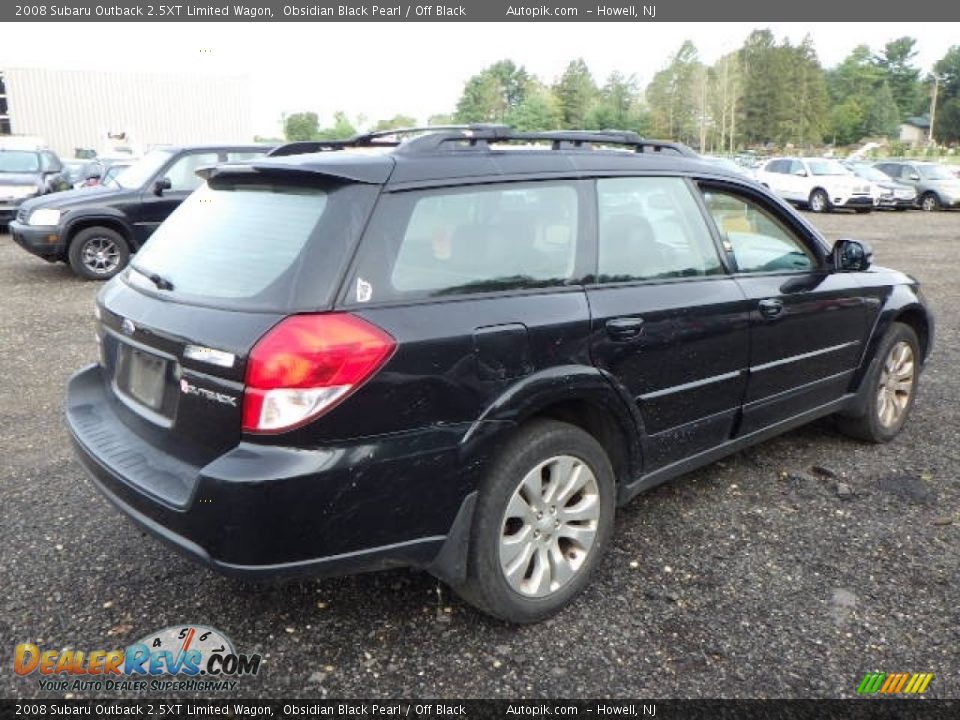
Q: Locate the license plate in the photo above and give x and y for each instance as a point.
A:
(145, 376)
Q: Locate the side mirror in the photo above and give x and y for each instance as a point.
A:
(851, 256)
(914, 176)
(800, 173)
(160, 185)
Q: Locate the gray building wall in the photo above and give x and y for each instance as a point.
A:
(74, 108)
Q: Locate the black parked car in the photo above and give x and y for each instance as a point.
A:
(461, 356)
(27, 173)
(97, 229)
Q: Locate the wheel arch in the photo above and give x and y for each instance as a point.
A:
(580, 395)
(83, 222)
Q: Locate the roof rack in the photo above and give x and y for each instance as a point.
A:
(436, 138)
(377, 138)
(482, 137)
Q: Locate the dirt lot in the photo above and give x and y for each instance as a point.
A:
(787, 570)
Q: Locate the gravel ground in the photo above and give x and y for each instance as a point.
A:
(788, 570)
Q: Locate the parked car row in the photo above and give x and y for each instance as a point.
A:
(824, 184)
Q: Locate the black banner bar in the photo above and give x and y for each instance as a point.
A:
(469, 11)
(857, 709)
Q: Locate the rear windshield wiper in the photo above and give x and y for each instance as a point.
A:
(161, 282)
(156, 278)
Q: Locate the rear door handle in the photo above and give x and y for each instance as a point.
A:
(624, 328)
(771, 307)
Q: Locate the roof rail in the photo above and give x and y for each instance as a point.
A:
(377, 138)
(434, 138)
(485, 136)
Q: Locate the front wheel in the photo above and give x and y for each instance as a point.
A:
(98, 253)
(819, 202)
(543, 518)
(891, 386)
(930, 202)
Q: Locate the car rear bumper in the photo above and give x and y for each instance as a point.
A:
(267, 510)
(44, 241)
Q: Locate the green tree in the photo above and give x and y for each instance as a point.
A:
(947, 121)
(762, 76)
(397, 121)
(341, 130)
(575, 92)
(725, 94)
(301, 126)
(539, 110)
(618, 106)
(896, 62)
(493, 92)
(863, 104)
(675, 97)
(882, 115)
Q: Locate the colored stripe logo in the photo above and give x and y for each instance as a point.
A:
(894, 683)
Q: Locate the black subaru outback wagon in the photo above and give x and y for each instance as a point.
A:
(463, 351)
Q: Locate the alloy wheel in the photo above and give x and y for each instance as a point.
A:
(549, 526)
(896, 384)
(101, 255)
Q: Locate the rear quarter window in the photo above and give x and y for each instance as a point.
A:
(456, 241)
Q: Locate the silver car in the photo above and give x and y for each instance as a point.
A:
(936, 186)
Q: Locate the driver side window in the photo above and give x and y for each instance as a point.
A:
(182, 173)
(758, 241)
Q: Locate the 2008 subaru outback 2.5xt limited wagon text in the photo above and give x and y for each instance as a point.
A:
(458, 354)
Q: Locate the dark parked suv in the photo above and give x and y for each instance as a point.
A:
(26, 172)
(461, 355)
(97, 229)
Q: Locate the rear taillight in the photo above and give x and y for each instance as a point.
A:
(306, 364)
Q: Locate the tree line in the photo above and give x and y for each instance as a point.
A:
(767, 92)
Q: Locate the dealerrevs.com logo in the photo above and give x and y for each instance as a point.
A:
(186, 658)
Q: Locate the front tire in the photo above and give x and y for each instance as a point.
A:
(543, 518)
(891, 388)
(929, 202)
(98, 253)
(819, 202)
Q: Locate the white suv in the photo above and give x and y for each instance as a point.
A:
(819, 183)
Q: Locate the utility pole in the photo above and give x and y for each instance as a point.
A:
(933, 108)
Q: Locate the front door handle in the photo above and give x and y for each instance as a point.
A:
(771, 307)
(624, 328)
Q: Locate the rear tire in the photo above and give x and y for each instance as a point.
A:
(98, 253)
(891, 388)
(543, 518)
(929, 202)
(819, 202)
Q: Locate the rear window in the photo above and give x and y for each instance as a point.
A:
(234, 242)
(457, 241)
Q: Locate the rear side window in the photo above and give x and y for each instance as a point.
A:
(651, 228)
(233, 242)
(474, 239)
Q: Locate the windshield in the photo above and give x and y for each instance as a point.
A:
(233, 242)
(826, 167)
(19, 161)
(872, 174)
(935, 172)
(137, 174)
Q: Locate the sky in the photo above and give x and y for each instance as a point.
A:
(383, 69)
